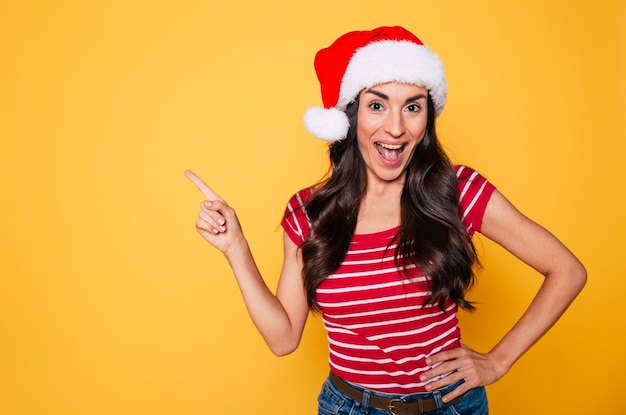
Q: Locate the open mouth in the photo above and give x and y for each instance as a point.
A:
(390, 152)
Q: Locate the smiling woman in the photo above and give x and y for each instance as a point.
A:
(392, 122)
(383, 249)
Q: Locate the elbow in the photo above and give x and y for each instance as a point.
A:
(580, 277)
(574, 277)
(570, 279)
(283, 348)
(281, 352)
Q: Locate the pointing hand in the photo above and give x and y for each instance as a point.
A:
(217, 222)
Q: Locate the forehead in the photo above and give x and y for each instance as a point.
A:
(393, 89)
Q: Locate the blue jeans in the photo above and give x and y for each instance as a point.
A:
(332, 401)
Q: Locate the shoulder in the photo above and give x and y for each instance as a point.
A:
(464, 173)
(295, 220)
(474, 192)
(468, 179)
(298, 201)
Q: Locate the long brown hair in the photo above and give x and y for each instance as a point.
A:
(431, 235)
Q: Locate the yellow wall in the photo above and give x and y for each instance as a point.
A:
(110, 303)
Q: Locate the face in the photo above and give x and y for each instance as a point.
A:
(391, 122)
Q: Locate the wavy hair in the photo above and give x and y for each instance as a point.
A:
(431, 235)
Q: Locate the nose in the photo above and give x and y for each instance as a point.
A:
(394, 124)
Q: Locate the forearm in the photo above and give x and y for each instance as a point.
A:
(551, 301)
(265, 309)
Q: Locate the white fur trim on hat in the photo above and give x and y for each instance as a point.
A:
(393, 60)
(329, 124)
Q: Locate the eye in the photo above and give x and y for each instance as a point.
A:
(414, 107)
(376, 106)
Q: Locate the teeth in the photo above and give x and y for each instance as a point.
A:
(391, 146)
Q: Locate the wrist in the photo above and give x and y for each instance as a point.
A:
(237, 250)
(502, 363)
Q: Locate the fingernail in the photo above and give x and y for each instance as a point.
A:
(223, 228)
(221, 221)
(207, 204)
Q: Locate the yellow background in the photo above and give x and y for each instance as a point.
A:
(110, 303)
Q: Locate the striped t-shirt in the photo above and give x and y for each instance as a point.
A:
(379, 332)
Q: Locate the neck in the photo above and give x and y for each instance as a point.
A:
(380, 208)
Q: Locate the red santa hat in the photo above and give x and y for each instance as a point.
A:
(362, 59)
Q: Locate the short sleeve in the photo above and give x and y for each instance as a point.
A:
(474, 192)
(295, 221)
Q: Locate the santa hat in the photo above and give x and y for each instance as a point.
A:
(362, 59)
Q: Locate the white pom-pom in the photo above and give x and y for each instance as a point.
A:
(328, 124)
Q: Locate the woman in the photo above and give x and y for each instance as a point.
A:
(382, 248)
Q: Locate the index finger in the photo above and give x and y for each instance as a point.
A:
(202, 186)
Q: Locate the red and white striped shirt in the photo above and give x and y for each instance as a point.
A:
(379, 332)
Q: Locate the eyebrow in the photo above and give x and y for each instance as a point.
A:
(386, 98)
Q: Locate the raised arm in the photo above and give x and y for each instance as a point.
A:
(279, 317)
(564, 276)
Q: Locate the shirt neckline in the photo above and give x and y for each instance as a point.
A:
(384, 234)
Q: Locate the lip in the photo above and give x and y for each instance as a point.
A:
(390, 154)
